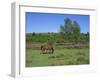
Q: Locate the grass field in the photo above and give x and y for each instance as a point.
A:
(61, 56)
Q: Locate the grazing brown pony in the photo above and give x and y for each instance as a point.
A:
(47, 48)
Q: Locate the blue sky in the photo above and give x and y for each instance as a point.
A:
(49, 22)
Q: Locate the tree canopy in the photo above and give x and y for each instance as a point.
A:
(70, 27)
(70, 31)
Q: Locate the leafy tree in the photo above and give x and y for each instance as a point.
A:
(66, 29)
(62, 29)
(69, 31)
(33, 34)
(76, 32)
(68, 26)
(76, 28)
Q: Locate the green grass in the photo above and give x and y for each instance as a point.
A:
(61, 56)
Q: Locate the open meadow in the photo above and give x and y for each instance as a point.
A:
(61, 56)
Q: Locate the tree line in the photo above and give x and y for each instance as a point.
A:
(69, 32)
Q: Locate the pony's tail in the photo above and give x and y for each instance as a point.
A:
(41, 47)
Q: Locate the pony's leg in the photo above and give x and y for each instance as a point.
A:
(44, 51)
(52, 50)
(48, 51)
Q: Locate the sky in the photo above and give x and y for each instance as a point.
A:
(50, 22)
